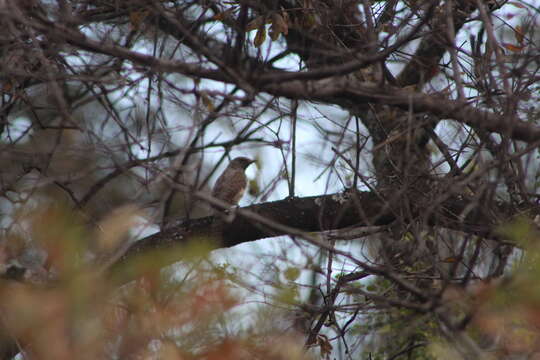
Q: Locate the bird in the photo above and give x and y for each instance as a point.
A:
(232, 183)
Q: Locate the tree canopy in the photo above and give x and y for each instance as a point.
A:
(395, 193)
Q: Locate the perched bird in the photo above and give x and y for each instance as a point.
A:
(231, 185)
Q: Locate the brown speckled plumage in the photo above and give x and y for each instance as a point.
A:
(231, 185)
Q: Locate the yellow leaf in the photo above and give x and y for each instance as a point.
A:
(259, 37)
(253, 188)
(292, 273)
(288, 295)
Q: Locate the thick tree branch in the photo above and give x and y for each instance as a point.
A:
(342, 91)
(298, 216)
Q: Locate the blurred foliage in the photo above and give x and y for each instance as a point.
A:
(77, 311)
(395, 330)
(500, 316)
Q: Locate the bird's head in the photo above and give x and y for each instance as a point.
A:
(241, 162)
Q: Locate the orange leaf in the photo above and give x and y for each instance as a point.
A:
(450, 260)
(513, 47)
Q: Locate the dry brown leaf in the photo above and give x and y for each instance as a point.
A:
(324, 345)
(274, 35)
(279, 24)
(255, 24)
(519, 34)
(136, 18)
(207, 102)
(259, 37)
(223, 15)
